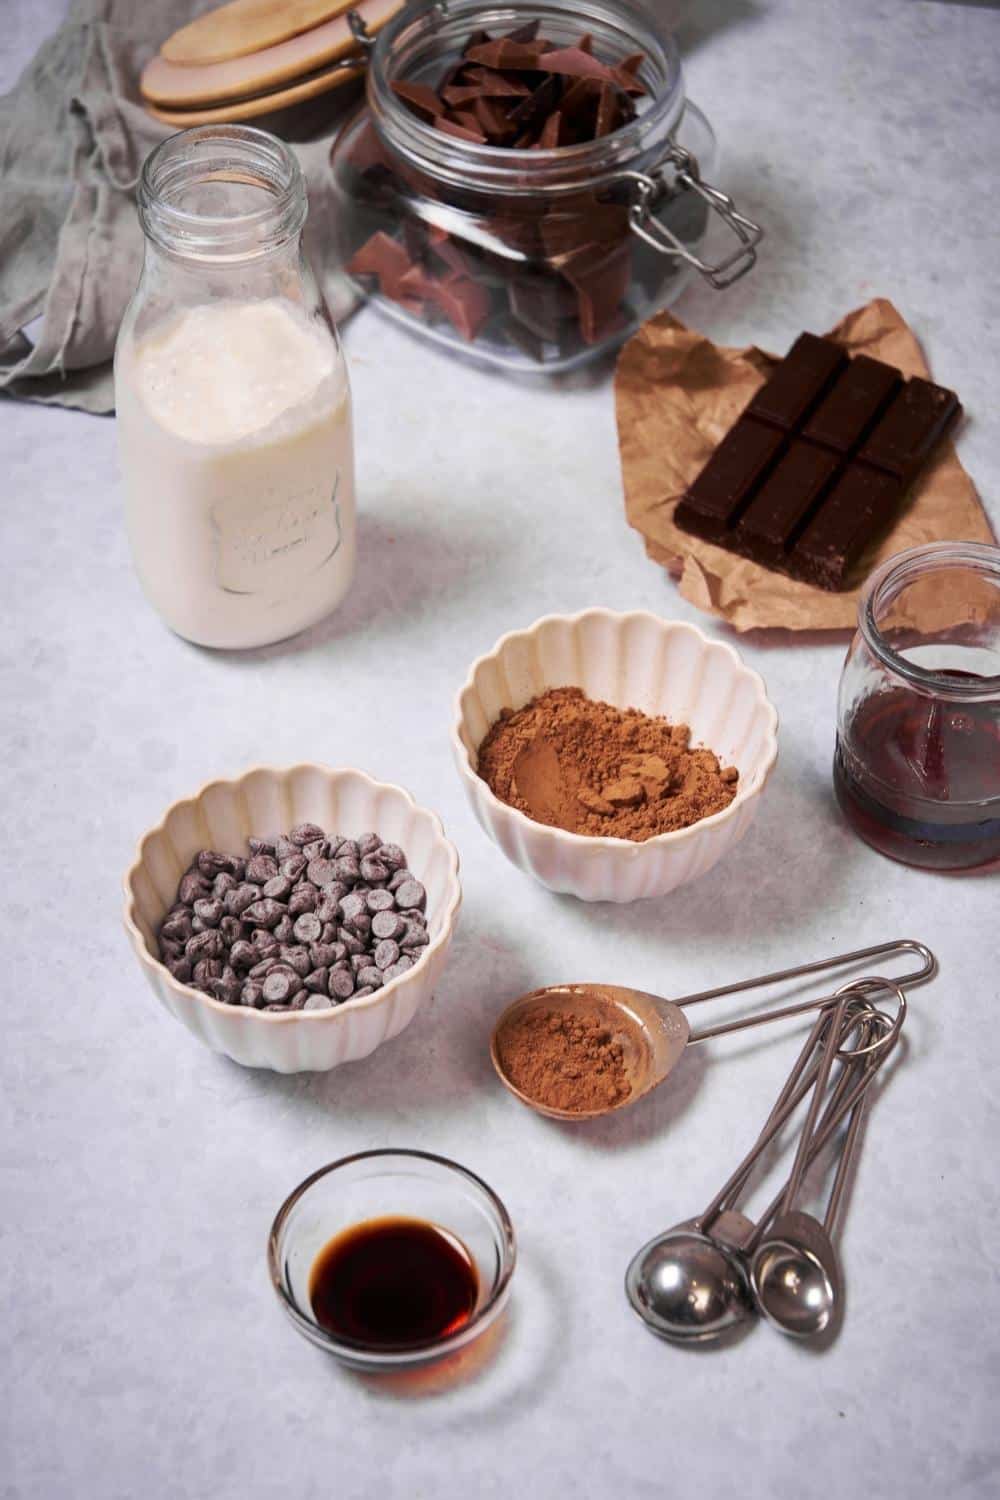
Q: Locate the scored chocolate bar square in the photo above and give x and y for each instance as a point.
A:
(817, 465)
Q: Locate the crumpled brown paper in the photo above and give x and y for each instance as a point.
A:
(677, 394)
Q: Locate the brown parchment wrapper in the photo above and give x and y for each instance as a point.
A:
(677, 394)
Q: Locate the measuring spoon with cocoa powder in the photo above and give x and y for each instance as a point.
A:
(651, 1031)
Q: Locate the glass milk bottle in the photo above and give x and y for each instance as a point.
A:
(233, 405)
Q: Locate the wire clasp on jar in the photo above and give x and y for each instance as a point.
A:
(649, 190)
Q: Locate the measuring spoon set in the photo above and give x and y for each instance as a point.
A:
(707, 1275)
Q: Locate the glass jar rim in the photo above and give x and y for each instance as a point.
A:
(500, 168)
(888, 581)
(223, 153)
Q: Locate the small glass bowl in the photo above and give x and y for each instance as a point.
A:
(378, 1184)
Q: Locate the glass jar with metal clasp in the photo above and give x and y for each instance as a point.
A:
(528, 258)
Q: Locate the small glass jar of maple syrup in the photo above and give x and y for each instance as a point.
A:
(917, 765)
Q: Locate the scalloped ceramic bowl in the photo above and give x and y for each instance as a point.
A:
(633, 661)
(222, 815)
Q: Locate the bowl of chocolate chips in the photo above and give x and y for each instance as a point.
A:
(294, 919)
(614, 756)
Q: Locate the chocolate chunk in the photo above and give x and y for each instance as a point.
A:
(494, 85)
(859, 507)
(785, 501)
(450, 127)
(506, 53)
(717, 497)
(571, 62)
(421, 99)
(852, 404)
(914, 422)
(798, 382)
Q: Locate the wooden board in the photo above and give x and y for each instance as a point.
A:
(171, 86)
(245, 26)
(261, 104)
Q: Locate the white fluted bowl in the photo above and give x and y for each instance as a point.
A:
(222, 815)
(632, 661)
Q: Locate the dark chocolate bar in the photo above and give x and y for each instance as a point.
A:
(815, 468)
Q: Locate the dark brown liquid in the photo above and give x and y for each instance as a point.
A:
(392, 1283)
(919, 778)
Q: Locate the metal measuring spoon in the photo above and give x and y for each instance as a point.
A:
(795, 1271)
(653, 1031)
(689, 1285)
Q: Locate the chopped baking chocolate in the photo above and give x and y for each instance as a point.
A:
(501, 92)
(817, 465)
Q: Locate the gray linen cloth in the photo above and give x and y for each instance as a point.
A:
(73, 137)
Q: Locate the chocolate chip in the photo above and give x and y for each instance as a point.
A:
(261, 869)
(399, 877)
(181, 969)
(350, 940)
(366, 989)
(348, 849)
(231, 930)
(328, 906)
(177, 929)
(279, 986)
(316, 850)
(318, 1002)
(284, 848)
(415, 937)
(227, 988)
(322, 871)
(298, 958)
(307, 928)
(278, 888)
(377, 901)
(352, 905)
(392, 856)
(386, 953)
(305, 833)
(371, 976)
(346, 868)
(401, 966)
(387, 924)
(283, 931)
(204, 970)
(361, 925)
(204, 945)
(192, 887)
(368, 843)
(243, 955)
(209, 911)
(210, 863)
(265, 943)
(294, 865)
(316, 982)
(410, 894)
(329, 933)
(262, 969)
(265, 913)
(240, 897)
(223, 883)
(261, 846)
(252, 994)
(341, 984)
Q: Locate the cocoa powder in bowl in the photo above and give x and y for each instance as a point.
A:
(590, 768)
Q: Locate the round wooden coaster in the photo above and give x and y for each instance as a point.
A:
(245, 26)
(172, 86)
(261, 104)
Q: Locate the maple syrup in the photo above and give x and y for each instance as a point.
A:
(392, 1283)
(919, 777)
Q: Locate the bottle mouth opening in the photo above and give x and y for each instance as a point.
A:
(967, 600)
(417, 49)
(221, 192)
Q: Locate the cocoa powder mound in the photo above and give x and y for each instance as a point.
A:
(564, 1060)
(590, 768)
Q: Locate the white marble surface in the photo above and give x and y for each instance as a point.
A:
(144, 1352)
